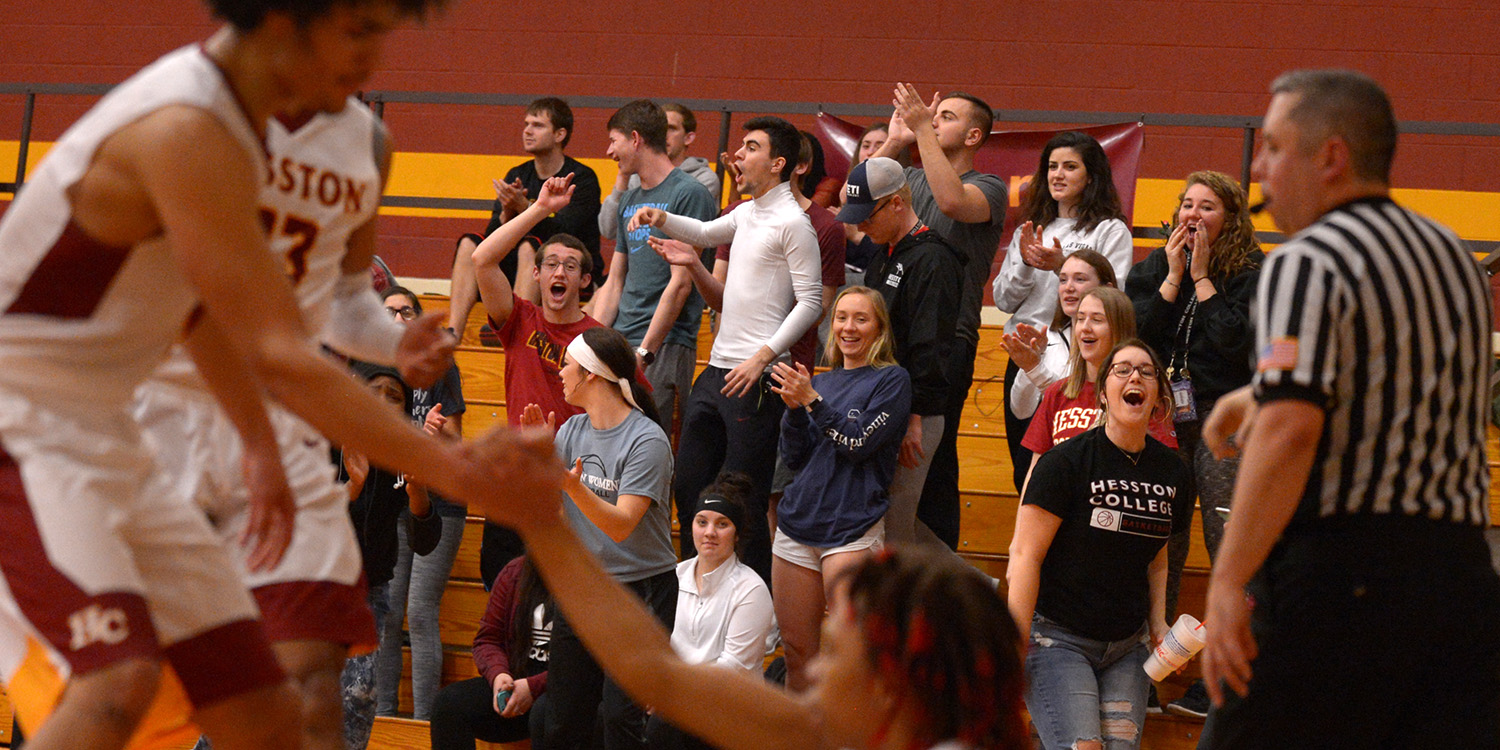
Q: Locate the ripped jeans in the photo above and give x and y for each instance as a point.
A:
(1081, 689)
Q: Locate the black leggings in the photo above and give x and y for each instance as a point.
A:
(578, 691)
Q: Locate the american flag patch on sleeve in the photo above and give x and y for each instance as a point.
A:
(1280, 354)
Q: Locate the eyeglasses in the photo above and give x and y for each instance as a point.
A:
(878, 209)
(1123, 370)
(572, 266)
(405, 313)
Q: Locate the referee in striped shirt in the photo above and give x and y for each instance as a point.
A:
(1353, 603)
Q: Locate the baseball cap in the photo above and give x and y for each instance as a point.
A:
(874, 178)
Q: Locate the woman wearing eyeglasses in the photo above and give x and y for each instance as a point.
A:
(1088, 562)
(617, 501)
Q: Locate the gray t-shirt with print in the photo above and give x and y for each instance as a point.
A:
(631, 458)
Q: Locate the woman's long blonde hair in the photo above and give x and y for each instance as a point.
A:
(1120, 315)
(882, 350)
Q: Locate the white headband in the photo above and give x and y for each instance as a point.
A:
(584, 355)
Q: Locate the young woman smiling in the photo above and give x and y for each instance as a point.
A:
(1088, 562)
(842, 431)
(1071, 205)
(1042, 353)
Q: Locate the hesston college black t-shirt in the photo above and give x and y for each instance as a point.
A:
(1116, 516)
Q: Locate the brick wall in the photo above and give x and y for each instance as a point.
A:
(1436, 57)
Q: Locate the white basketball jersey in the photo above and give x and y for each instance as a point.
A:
(82, 323)
(322, 183)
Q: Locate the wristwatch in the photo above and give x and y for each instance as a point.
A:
(812, 403)
(646, 355)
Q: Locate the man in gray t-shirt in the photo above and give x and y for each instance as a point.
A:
(644, 298)
(967, 208)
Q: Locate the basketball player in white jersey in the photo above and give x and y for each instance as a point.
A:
(143, 211)
(319, 201)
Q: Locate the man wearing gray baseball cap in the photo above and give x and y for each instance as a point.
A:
(921, 278)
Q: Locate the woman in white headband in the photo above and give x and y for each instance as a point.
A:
(617, 500)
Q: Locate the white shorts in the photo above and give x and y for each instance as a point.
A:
(100, 563)
(805, 556)
(318, 591)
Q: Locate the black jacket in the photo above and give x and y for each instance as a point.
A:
(921, 278)
(1221, 339)
(375, 513)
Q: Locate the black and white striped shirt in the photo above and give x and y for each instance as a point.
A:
(1382, 317)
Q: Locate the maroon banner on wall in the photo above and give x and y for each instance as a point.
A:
(1013, 156)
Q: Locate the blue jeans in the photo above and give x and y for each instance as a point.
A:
(1083, 689)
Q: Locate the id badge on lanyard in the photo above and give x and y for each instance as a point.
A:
(1184, 403)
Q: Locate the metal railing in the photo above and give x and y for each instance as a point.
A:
(727, 108)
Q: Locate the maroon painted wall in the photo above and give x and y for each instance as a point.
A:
(1436, 57)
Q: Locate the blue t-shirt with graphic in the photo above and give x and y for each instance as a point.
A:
(647, 274)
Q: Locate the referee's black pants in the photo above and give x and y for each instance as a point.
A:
(1381, 633)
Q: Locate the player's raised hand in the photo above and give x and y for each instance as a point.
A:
(425, 352)
(516, 478)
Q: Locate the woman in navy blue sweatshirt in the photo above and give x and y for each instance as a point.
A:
(842, 433)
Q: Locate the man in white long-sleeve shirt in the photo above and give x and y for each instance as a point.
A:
(769, 298)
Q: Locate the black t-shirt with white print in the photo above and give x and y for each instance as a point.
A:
(1116, 516)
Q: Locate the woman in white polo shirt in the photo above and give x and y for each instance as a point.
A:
(724, 610)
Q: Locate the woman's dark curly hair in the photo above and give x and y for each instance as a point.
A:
(943, 630)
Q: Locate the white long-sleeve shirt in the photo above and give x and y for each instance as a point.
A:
(1030, 294)
(726, 622)
(773, 291)
(1026, 392)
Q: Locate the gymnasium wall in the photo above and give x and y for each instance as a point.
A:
(1436, 57)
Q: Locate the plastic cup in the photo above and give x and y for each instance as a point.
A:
(1182, 643)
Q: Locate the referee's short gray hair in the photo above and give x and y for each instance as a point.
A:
(1350, 105)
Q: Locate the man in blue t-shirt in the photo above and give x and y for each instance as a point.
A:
(649, 301)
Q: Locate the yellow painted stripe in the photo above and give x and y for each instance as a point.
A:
(1474, 215)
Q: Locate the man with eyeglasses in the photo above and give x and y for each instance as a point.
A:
(921, 278)
(533, 336)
